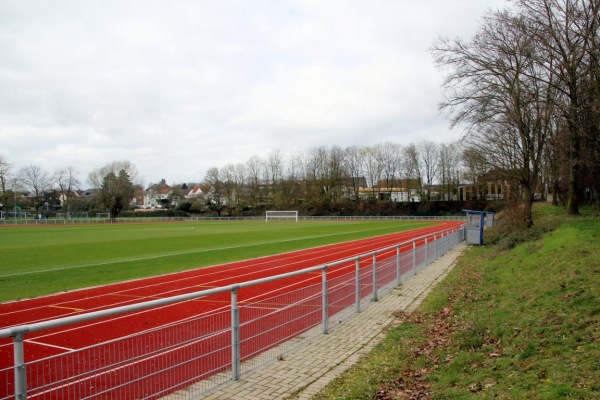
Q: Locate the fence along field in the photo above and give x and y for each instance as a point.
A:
(39, 260)
(95, 377)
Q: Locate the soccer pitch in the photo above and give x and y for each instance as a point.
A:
(39, 260)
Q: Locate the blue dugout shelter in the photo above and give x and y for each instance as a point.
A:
(476, 222)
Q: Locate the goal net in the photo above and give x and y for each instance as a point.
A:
(18, 215)
(72, 215)
(282, 216)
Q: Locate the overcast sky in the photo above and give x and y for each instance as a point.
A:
(177, 87)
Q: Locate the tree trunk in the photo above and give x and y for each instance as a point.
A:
(574, 166)
(527, 207)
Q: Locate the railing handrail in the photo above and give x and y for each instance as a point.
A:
(55, 323)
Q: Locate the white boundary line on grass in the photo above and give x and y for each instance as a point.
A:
(177, 253)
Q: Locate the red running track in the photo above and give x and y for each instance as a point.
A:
(71, 338)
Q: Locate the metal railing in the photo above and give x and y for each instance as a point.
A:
(185, 359)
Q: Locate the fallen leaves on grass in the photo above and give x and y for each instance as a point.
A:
(411, 384)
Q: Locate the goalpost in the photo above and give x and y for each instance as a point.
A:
(282, 216)
(75, 215)
(72, 215)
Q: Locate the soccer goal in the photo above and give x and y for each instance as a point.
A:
(72, 215)
(18, 215)
(282, 216)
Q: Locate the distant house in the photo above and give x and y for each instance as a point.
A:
(47, 200)
(196, 192)
(159, 195)
(138, 198)
(89, 193)
(351, 187)
(67, 197)
(494, 185)
(394, 190)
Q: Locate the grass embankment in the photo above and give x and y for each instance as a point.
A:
(509, 322)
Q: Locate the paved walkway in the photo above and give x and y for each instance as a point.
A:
(306, 371)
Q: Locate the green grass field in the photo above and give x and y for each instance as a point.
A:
(520, 323)
(39, 260)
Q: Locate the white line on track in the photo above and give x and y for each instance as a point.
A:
(249, 269)
(50, 345)
(115, 369)
(166, 324)
(176, 253)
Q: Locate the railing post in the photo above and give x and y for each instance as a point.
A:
(357, 280)
(414, 257)
(446, 242)
(20, 369)
(235, 335)
(426, 244)
(375, 297)
(325, 301)
(443, 245)
(398, 269)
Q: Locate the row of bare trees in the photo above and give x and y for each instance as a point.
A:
(321, 176)
(326, 175)
(36, 181)
(115, 183)
(527, 89)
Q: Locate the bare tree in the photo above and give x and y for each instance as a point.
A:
(239, 176)
(5, 174)
(495, 87)
(295, 167)
(316, 164)
(555, 170)
(214, 179)
(448, 170)
(391, 158)
(294, 189)
(373, 168)
(96, 177)
(566, 32)
(412, 172)
(355, 161)
(228, 174)
(67, 182)
(254, 167)
(274, 176)
(336, 172)
(317, 186)
(475, 168)
(36, 181)
(429, 156)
